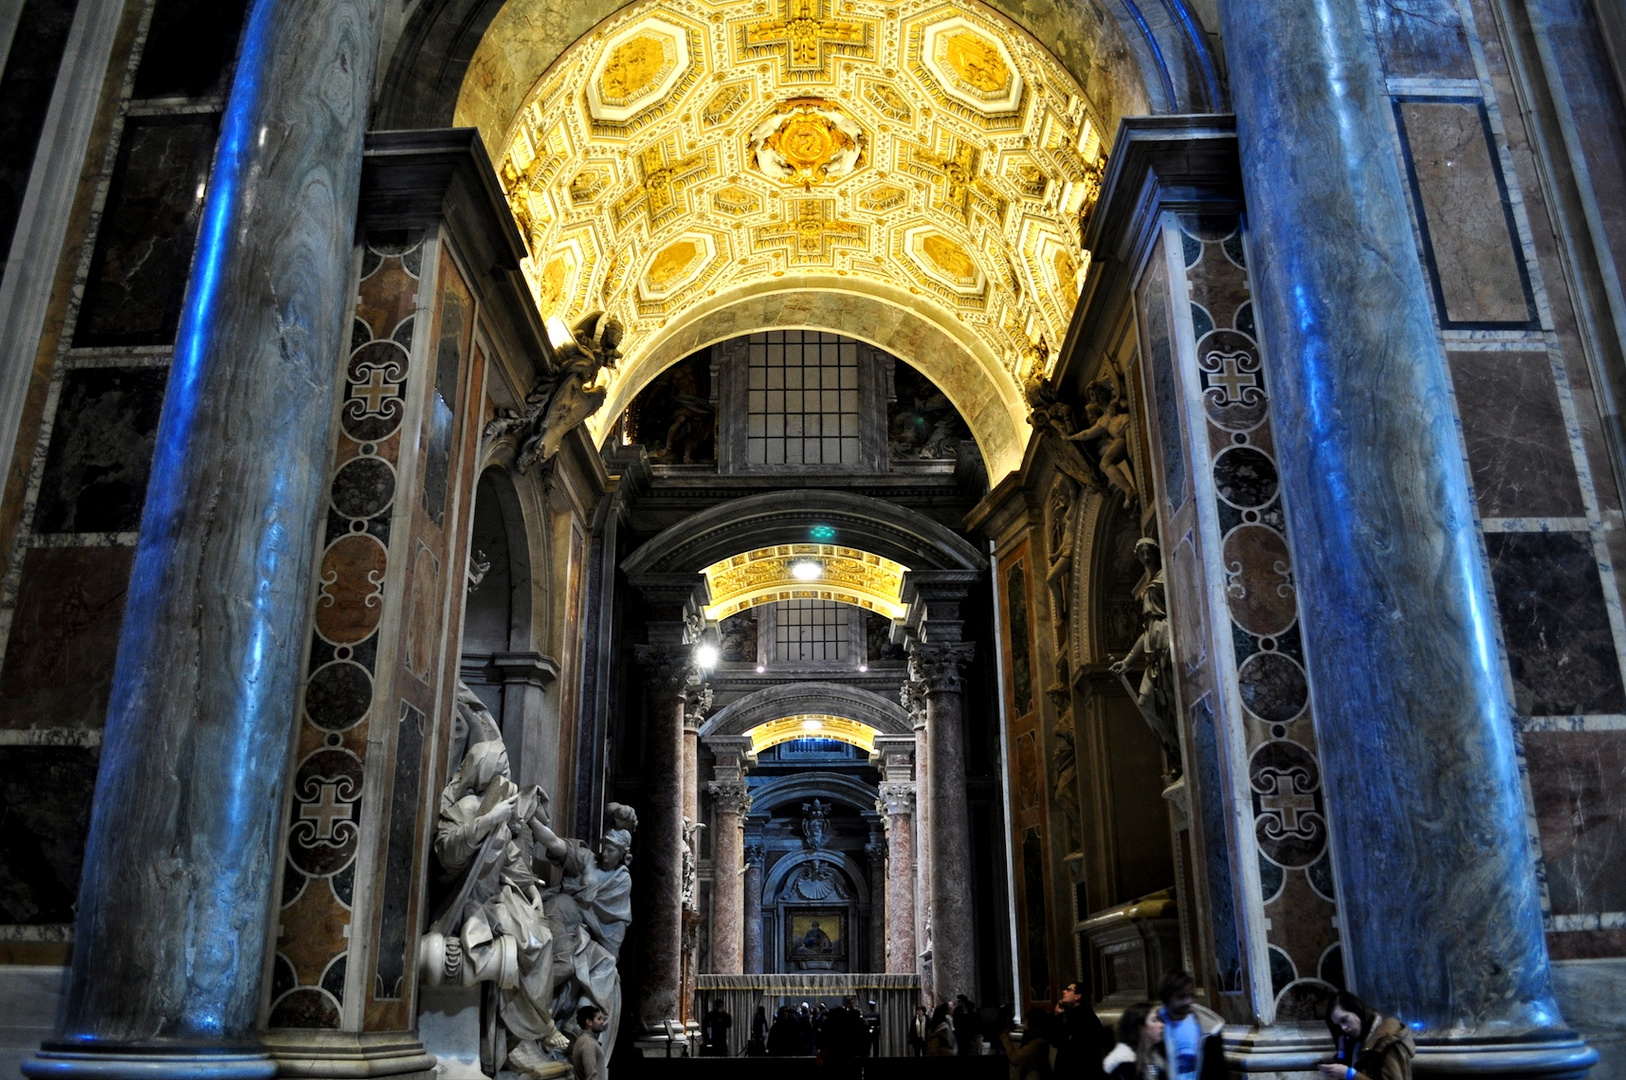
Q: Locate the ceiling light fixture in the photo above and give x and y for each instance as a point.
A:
(806, 570)
(812, 725)
(706, 656)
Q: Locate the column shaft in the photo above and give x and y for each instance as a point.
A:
(1415, 731)
(176, 889)
(753, 910)
(896, 802)
(666, 670)
(730, 800)
(953, 956)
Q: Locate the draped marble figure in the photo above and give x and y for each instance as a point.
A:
(541, 949)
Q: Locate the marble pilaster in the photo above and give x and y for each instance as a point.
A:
(730, 801)
(175, 897)
(1417, 741)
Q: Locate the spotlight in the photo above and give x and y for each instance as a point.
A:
(761, 668)
(706, 656)
(812, 725)
(863, 668)
(806, 570)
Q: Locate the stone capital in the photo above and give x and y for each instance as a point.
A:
(897, 799)
(730, 796)
(756, 854)
(940, 665)
(669, 671)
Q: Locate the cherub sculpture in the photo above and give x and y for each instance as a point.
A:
(559, 400)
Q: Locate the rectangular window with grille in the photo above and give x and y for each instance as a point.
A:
(811, 630)
(802, 399)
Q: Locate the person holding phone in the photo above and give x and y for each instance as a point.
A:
(1366, 1046)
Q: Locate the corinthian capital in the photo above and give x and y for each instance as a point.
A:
(755, 853)
(897, 798)
(730, 796)
(669, 671)
(940, 665)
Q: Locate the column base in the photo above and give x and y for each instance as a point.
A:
(1294, 1050)
(668, 1039)
(334, 1055)
(126, 1061)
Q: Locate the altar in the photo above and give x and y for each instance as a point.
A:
(895, 998)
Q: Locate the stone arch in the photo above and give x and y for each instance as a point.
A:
(775, 881)
(815, 784)
(881, 528)
(959, 363)
(791, 699)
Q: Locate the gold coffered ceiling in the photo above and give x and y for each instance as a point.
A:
(686, 148)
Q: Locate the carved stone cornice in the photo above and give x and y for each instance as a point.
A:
(941, 665)
(897, 799)
(730, 796)
(669, 671)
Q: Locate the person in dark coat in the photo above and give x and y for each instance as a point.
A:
(1076, 1035)
(967, 1026)
(758, 1045)
(1368, 1046)
(785, 1037)
(714, 1031)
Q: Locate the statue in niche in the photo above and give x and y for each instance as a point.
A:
(1065, 760)
(691, 838)
(1155, 696)
(1108, 432)
(561, 399)
(540, 951)
(815, 825)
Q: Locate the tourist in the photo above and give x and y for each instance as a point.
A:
(872, 1026)
(785, 1037)
(1191, 1033)
(1368, 1046)
(1139, 1054)
(714, 1031)
(919, 1028)
(758, 1044)
(586, 1052)
(967, 1026)
(1031, 1057)
(1076, 1035)
(940, 1033)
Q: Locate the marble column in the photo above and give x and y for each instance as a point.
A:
(730, 801)
(669, 674)
(175, 896)
(897, 803)
(755, 855)
(1415, 731)
(941, 666)
(875, 852)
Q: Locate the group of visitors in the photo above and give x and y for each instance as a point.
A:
(1178, 1039)
(946, 1032)
(805, 1030)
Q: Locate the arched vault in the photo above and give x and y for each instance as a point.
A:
(894, 532)
(793, 699)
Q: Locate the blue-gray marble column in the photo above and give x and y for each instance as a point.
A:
(1441, 914)
(175, 897)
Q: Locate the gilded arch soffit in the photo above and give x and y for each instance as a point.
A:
(687, 148)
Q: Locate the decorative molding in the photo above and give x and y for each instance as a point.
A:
(897, 799)
(940, 666)
(730, 796)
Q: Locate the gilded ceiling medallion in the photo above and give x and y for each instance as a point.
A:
(807, 143)
(672, 261)
(976, 61)
(950, 258)
(972, 69)
(638, 69)
(635, 66)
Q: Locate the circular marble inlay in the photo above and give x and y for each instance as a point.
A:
(1245, 478)
(1259, 580)
(363, 487)
(338, 695)
(1273, 687)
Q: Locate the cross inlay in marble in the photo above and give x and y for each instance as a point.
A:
(811, 233)
(327, 809)
(1224, 372)
(1286, 806)
(375, 391)
(807, 34)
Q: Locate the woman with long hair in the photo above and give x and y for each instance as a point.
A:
(1139, 1054)
(1366, 1046)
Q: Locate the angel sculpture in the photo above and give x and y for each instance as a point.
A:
(561, 399)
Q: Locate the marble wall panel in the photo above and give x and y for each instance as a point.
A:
(26, 82)
(1555, 627)
(1578, 781)
(1517, 441)
(95, 477)
(45, 794)
(64, 637)
(189, 49)
(1470, 244)
(148, 225)
(1421, 38)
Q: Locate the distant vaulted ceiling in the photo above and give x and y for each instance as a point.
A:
(688, 154)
